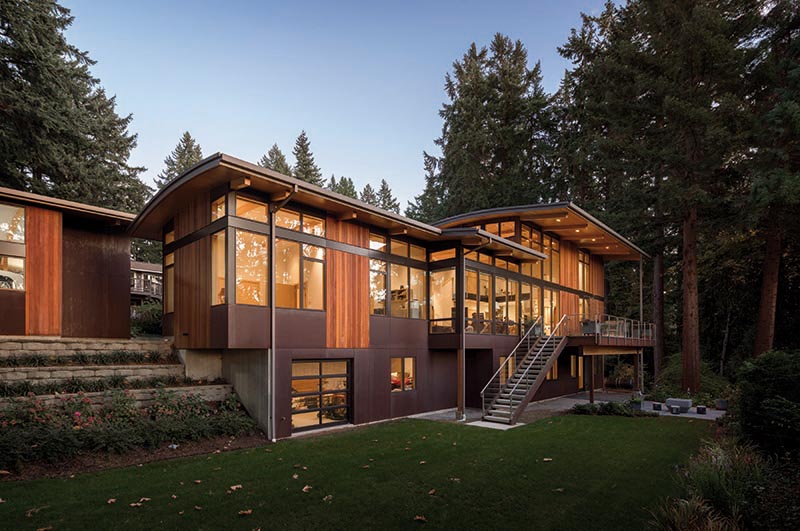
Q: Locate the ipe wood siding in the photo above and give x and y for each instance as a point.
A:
(193, 295)
(42, 271)
(347, 284)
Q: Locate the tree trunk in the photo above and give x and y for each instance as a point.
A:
(658, 312)
(690, 339)
(725, 335)
(765, 326)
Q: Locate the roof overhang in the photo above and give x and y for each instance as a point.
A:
(567, 221)
(220, 169)
(475, 239)
(81, 210)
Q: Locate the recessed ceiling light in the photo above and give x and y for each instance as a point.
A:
(577, 230)
(558, 219)
(594, 239)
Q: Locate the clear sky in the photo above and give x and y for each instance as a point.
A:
(364, 79)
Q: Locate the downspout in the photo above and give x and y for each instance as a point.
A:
(273, 209)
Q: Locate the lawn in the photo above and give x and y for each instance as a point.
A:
(571, 472)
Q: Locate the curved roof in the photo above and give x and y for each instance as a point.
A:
(565, 219)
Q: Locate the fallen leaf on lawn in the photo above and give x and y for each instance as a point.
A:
(198, 481)
(235, 487)
(558, 490)
(364, 466)
(305, 468)
(420, 518)
(423, 462)
(142, 500)
(174, 497)
(4, 472)
(181, 512)
(455, 480)
(547, 459)
(2, 500)
(295, 476)
(217, 451)
(31, 512)
(198, 508)
(280, 459)
(246, 512)
(48, 528)
(374, 440)
(135, 504)
(424, 437)
(268, 450)
(371, 459)
(407, 448)
(111, 500)
(307, 488)
(297, 465)
(454, 444)
(328, 498)
(431, 492)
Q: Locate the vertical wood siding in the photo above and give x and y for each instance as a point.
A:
(569, 265)
(193, 295)
(194, 215)
(347, 296)
(597, 276)
(42, 271)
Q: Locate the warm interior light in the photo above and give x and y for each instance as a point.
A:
(577, 230)
(558, 219)
(594, 239)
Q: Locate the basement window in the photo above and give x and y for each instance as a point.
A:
(402, 375)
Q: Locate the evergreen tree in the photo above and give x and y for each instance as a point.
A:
(305, 168)
(344, 186)
(60, 134)
(185, 155)
(385, 198)
(429, 205)
(369, 196)
(275, 160)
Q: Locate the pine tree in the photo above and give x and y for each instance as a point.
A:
(369, 196)
(185, 155)
(275, 160)
(60, 134)
(385, 198)
(428, 206)
(344, 186)
(305, 168)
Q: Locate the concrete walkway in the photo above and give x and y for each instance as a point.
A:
(557, 406)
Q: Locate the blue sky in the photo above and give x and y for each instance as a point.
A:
(364, 79)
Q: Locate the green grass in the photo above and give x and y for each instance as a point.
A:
(605, 473)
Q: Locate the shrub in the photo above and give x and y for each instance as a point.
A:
(768, 405)
(692, 514)
(669, 384)
(146, 319)
(584, 409)
(615, 409)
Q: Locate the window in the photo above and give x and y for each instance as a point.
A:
(12, 273)
(508, 230)
(313, 225)
(377, 287)
(583, 271)
(447, 254)
(402, 376)
(399, 248)
(494, 228)
(552, 374)
(505, 306)
(417, 253)
(377, 242)
(573, 366)
(477, 303)
(580, 372)
(169, 282)
(287, 219)
(409, 292)
(550, 316)
(252, 268)
(218, 268)
(12, 223)
(443, 301)
(583, 307)
(532, 239)
(169, 237)
(250, 209)
(290, 264)
(218, 208)
(320, 393)
(530, 304)
(293, 220)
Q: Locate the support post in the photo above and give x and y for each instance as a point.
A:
(459, 327)
(637, 385)
(591, 379)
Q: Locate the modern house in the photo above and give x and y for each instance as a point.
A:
(322, 310)
(64, 268)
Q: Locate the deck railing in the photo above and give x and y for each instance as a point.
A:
(612, 328)
(144, 286)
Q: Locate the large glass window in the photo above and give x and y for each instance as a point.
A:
(12, 223)
(313, 225)
(550, 309)
(505, 306)
(443, 301)
(399, 248)
(409, 297)
(415, 252)
(447, 254)
(418, 305)
(400, 289)
(290, 264)
(402, 375)
(583, 271)
(218, 268)
(250, 209)
(551, 266)
(252, 268)
(12, 273)
(377, 287)
(532, 239)
(530, 304)
(477, 303)
(288, 219)
(507, 230)
(377, 242)
(320, 393)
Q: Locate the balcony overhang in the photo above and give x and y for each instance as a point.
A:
(473, 238)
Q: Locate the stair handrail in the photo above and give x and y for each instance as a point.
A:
(533, 361)
(525, 337)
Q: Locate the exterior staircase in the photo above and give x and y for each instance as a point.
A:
(515, 383)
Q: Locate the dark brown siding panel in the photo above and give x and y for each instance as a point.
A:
(42, 272)
(299, 329)
(96, 286)
(248, 326)
(195, 215)
(12, 322)
(193, 295)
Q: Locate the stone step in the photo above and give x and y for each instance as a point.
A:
(144, 397)
(61, 373)
(60, 346)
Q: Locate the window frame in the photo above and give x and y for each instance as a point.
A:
(403, 386)
(302, 258)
